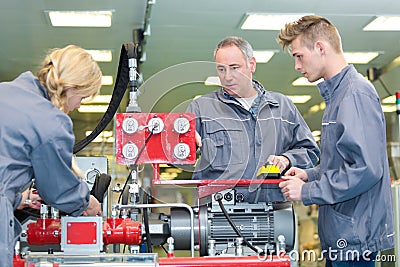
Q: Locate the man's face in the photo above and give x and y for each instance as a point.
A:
(307, 62)
(235, 71)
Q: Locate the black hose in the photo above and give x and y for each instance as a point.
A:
(128, 50)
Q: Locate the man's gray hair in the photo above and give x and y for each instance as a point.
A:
(241, 43)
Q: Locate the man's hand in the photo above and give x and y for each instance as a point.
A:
(281, 162)
(294, 178)
(299, 173)
(291, 187)
(94, 207)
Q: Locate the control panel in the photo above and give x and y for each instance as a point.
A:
(167, 138)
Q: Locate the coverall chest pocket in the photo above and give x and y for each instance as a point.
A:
(224, 144)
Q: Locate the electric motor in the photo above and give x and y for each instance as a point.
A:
(264, 225)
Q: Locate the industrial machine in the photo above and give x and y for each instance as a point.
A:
(221, 229)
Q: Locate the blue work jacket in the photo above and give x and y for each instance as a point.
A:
(36, 142)
(352, 185)
(236, 142)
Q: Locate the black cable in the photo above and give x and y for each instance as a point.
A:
(165, 250)
(36, 215)
(218, 198)
(145, 200)
(147, 229)
(123, 188)
(135, 164)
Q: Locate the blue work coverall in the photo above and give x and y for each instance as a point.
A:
(36, 142)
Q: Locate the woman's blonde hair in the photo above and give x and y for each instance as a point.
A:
(69, 67)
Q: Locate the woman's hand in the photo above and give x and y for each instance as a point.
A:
(30, 199)
(94, 207)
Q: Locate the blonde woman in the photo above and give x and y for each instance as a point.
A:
(37, 139)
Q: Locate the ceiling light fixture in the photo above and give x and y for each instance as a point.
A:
(212, 81)
(360, 57)
(316, 133)
(107, 80)
(389, 108)
(101, 55)
(99, 99)
(102, 134)
(93, 109)
(101, 139)
(389, 100)
(302, 81)
(384, 23)
(299, 99)
(265, 21)
(263, 56)
(80, 18)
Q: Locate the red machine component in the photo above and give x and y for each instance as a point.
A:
(122, 231)
(222, 261)
(115, 231)
(44, 231)
(170, 138)
(18, 261)
(75, 230)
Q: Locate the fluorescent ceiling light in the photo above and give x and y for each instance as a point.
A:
(93, 109)
(212, 81)
(384, 23)
(263, 56)
(389, 100)
(102, 134)
(101, 139)
(80, 18)
(389, 108)
(168, 175)
(263, 21)
(316, 133)
(316, 108)
(299, 99)
(302, 81)
(107, 80)
(99, 99)
(101, 55)
(360, 57)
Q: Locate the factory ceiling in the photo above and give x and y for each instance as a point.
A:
(177, 39)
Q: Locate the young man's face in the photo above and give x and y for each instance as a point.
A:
(307, 62)
(235, 71)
